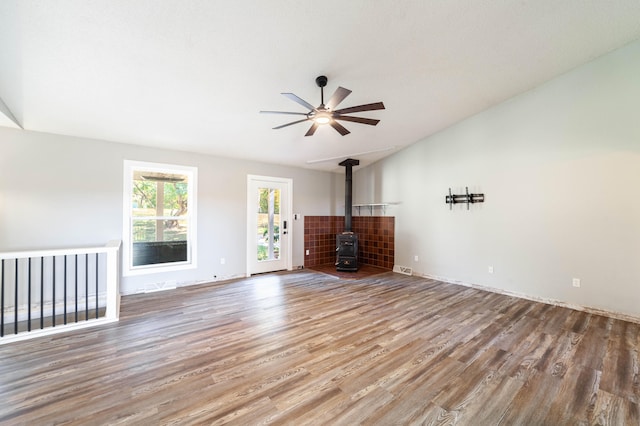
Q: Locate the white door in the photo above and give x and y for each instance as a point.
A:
(269, 224)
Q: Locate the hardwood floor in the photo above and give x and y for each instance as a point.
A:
(364, 271)
(305, 348)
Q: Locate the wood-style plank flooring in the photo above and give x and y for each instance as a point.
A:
(306, 348)
(364, 271)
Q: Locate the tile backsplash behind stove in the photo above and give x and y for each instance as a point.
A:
(376, 239)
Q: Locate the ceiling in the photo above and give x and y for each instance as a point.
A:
(193, 75)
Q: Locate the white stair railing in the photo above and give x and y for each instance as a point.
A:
(49, 291)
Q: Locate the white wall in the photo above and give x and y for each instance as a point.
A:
(60, 191)
(560, 168)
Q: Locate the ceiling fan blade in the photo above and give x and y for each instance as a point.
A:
(337, 97)
(301, 101)
(361, 120)
(293, 122)
(360, 108)
(339, 127)
(312, 129)
(283, 112)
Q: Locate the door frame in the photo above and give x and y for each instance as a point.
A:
(286, 213)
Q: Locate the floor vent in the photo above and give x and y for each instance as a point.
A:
(402, 269)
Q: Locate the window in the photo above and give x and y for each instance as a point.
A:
(159, 217)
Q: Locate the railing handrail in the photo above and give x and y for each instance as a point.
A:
(113, 245)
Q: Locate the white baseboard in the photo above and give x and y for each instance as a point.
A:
(590, 310)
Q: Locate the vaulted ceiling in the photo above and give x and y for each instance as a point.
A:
(193, 75)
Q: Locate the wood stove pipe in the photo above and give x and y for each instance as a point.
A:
(348, 198)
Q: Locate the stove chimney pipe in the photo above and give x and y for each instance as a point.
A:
(348, 198)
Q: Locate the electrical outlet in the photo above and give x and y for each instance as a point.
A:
(307, 252)
(490, 269)
(576, 282)
(416, 258)
(223, 260)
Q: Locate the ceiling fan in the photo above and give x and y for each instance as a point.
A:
(326, 114)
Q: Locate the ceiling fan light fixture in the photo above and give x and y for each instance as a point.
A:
(322, 118)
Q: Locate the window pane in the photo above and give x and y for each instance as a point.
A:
(159, 241)
(175, 198)
(150, 253)
(268, 220)
(174, 230)
(144, 230)
(143, 201)
(159, 194)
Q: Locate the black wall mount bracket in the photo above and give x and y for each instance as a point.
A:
(467, 198)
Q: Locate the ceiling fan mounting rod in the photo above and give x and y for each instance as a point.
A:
(321, 81)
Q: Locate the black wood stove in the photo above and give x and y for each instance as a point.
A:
(347, 241)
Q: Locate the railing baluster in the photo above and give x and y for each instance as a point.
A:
(2, 300)
(86, 286)
(41, 292)
(29, 297)
(76, 284)
(65, 289)
(15, 302)
(53, 305)
(96, 285)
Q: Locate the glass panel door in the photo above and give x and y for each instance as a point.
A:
(269, 219)
(268, 224)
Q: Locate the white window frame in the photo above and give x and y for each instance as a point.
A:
(127, 220)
